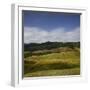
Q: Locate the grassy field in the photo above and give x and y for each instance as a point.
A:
(55, 62)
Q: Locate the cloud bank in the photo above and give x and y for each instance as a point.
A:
(38, 35)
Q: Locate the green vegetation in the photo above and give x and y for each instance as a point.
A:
(54, 61)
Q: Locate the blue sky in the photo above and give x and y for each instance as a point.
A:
(47, 23)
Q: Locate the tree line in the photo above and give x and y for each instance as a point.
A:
(49, 45)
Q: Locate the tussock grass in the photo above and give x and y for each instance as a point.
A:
(66, 62)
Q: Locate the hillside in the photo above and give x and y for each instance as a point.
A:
(51, 59)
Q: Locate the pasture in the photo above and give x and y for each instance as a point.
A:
(54, 62)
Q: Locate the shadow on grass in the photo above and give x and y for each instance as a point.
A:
(32, 67)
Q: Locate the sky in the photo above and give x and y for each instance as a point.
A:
(42, 26)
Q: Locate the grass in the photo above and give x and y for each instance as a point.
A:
(73, 71)
(52, 64)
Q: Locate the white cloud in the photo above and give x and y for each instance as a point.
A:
(38, 35)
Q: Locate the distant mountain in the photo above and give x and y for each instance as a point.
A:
(49, 45)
